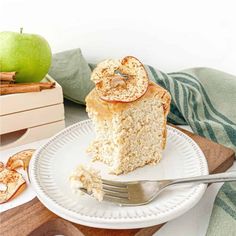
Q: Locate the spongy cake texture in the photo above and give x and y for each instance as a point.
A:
(129, 135)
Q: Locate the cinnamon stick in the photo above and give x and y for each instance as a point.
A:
(3, 82)
(7, 76)
(47, 85)
(20, 89)
(43, 85)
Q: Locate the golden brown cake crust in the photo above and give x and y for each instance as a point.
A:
(105, 110)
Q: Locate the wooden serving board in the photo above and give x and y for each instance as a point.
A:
(34, 219)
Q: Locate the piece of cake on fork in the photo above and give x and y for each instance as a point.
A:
(129, 113)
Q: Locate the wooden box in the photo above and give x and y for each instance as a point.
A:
(27, 117)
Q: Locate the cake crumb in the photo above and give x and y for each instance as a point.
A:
(89, 179)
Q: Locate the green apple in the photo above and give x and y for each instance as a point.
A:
(27, 54)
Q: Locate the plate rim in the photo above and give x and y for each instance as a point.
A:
(111, 223)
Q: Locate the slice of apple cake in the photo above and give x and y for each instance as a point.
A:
(128, 134)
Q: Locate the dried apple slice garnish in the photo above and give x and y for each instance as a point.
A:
(20, 159)
(14, 184)
(1, 166)
(120, 81)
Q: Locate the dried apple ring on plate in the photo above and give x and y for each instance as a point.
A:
(120, 81)
(20, 159)
(13, 181)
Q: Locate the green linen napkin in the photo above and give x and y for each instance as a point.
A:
(203, 98)
(72, 72)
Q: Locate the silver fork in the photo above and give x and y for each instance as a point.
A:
(134, 193)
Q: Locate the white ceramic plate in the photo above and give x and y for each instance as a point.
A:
(53, 163)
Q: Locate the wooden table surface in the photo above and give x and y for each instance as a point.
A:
(34, 219)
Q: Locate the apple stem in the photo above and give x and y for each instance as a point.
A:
(21, 30)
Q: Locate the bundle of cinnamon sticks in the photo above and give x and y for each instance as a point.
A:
(8, 85)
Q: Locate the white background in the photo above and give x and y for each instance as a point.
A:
(170, 35)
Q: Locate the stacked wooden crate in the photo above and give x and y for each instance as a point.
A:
(27, 117)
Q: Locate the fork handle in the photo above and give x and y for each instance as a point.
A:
(206, 179)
